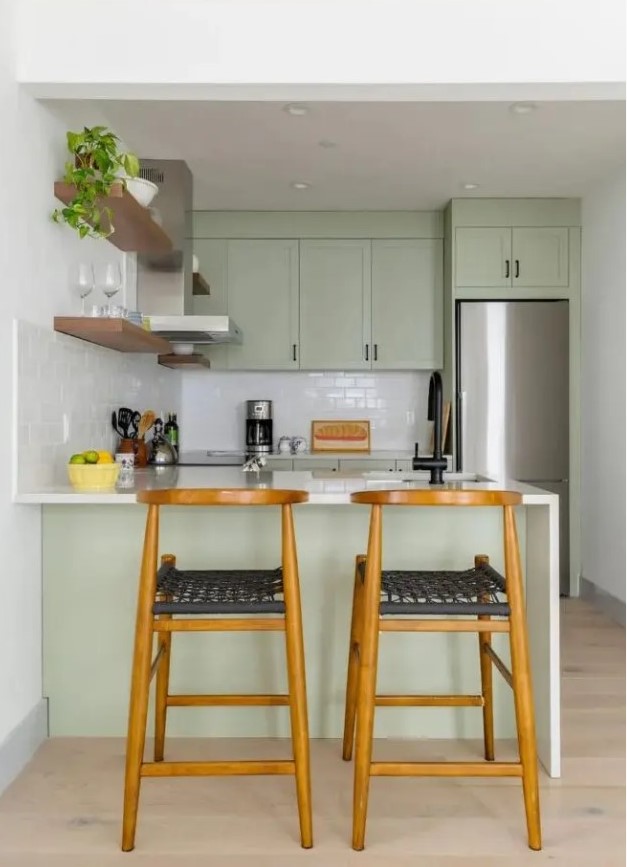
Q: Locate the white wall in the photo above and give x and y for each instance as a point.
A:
(34, 259)
(323, 41)
(213, 405)
(603, 386)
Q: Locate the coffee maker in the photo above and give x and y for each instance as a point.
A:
(259, 427)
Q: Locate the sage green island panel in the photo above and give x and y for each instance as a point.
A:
(540, 256)
(407, 324)
(90, 594)
(263, 301)
(483, 257)
(335, 305)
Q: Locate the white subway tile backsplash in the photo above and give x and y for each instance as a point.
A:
(66, 391)
(213, 405)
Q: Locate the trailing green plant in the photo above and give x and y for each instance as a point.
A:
(95, 167)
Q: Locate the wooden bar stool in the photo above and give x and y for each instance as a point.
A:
(237, 600)
(382, 601)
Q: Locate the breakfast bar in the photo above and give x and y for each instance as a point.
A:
(90, 597)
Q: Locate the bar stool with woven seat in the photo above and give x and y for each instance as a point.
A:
(386, 600)
(220, 600)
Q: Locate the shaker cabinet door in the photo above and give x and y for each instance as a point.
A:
(483, 257)
(407, 318)
(335, 305)
(263, 302)
(540, 257)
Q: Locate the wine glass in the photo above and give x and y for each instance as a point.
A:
(82, 281)
(110, 281)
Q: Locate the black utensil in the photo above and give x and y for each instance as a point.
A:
(125, 417)
(114, 424)
(134, 424)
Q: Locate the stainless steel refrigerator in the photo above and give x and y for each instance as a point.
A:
(512, 397)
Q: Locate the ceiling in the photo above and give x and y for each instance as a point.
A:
(368, 155)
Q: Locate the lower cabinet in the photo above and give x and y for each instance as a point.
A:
(316, 464)
(278, 464)
(364, 466)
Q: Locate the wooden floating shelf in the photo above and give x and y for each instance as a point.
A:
(112, 333)
(135, 230)
(196, 360)
(200, 285)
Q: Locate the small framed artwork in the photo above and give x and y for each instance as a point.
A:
(331, 435)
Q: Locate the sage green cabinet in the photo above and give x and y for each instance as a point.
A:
(310, 464)
(263, 300)
(335, 323)
(483, 257)
(357, 465)
(525, 257)
(540, 257)
(407, 295)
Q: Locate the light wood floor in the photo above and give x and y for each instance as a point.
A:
(64, 810)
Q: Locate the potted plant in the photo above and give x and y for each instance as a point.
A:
(97, 165)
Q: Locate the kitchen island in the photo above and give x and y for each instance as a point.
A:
(91, 560)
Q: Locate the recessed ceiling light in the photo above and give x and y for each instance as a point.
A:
(523, 107)
(326, 143)
(470, 186)
(295, 109)
(300, 185)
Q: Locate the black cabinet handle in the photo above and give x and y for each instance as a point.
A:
(517, 272)
(507, 267)
(293, 352)
(366, 352)
(376, 352)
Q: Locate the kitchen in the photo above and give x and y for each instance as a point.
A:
(210, 403)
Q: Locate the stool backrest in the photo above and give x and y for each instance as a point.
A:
(221, 497)
(438, 497)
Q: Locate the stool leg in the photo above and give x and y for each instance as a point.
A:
(352, 679)
(485, 639)
(140, 680)
(521, 681)
(296, 677)
(367, 680)
(163, 677)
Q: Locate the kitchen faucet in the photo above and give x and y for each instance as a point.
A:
(436, 464)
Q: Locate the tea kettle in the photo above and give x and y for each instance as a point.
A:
(163, 452)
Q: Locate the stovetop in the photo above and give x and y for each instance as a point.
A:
(211, 458)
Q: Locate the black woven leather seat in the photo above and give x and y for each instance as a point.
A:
(219, 591)
(443, 592)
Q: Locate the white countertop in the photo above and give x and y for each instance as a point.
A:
(323, 488)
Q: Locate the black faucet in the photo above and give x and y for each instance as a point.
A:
(436, 464)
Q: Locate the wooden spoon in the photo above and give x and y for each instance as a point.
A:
(145, 423)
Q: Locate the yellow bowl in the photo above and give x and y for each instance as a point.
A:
(93, 477)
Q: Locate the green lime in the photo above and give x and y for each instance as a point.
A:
(77, 459)
(91, 457)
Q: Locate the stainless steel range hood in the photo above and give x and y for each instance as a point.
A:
(164, 282)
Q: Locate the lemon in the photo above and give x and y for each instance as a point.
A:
(77, 459)
(105, 458)
(91, 457)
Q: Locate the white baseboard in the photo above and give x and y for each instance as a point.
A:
(608, 604)
(17, 749)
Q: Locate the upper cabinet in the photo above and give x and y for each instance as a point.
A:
(407, 330)
(325, 303)
(483, 257)
(263, 300)
(540, 257)
(335, 323)
(510, 257)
